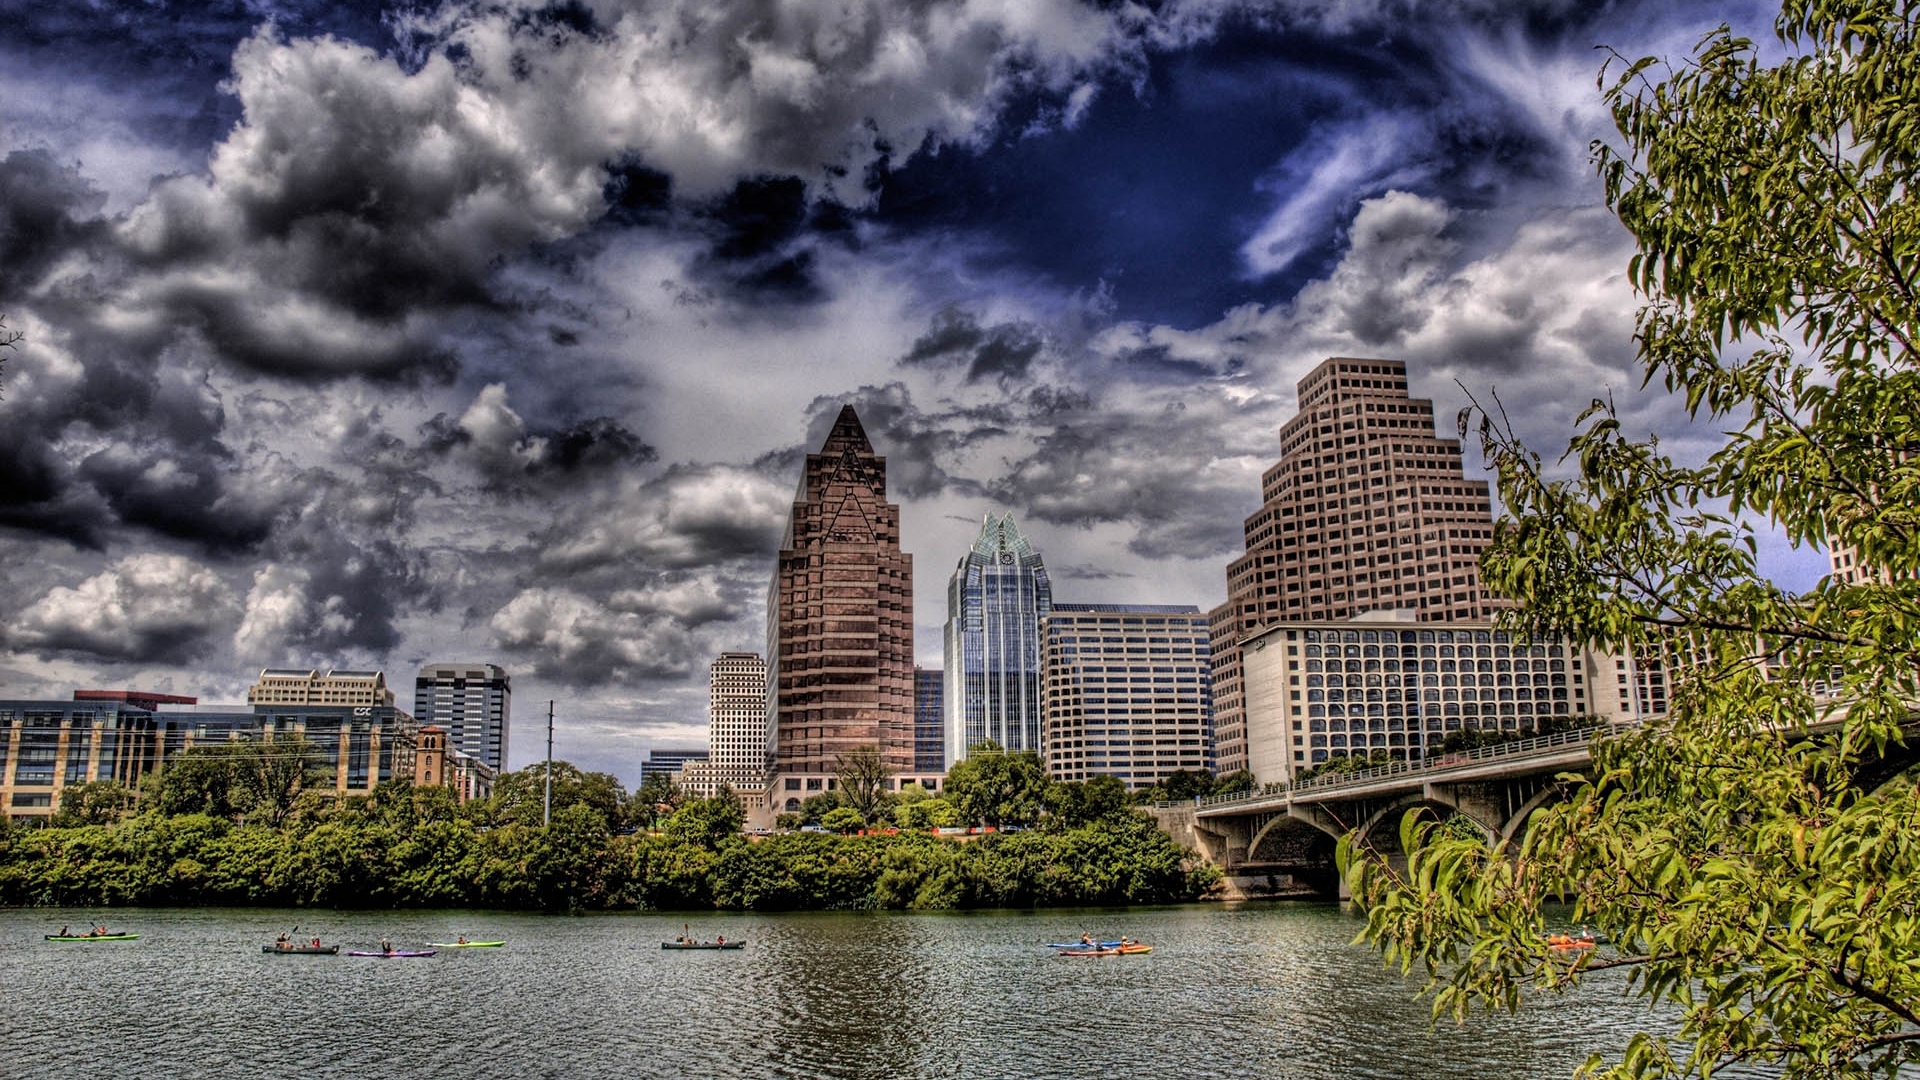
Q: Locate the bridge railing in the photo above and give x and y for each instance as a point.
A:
(1431, 765)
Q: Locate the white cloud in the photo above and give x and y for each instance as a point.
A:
(143, 607)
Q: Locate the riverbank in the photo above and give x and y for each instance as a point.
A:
(577, 864)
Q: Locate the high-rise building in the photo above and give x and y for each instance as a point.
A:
(1366, 509)
(472, 703)
(1129, 692)
(739, 739)
(929, 720)
(995, 601)
(839, 622)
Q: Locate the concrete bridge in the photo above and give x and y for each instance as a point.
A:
(1279, 841)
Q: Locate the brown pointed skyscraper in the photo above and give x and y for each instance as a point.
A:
(839, 622)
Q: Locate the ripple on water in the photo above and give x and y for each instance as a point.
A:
(1271, 992)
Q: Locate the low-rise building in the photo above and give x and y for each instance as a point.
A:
(1386, 682)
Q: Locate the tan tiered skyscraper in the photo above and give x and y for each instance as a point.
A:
(1366, 509)
(840, 622)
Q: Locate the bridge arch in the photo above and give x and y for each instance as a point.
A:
(1369, 833)
(1515, 830)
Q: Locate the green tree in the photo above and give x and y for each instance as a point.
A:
(521, 796)
(863, 777)
(96, 802)
(816, 807)
(1755, 857)
(655, 799)
(706, 823)
(843, 819)
(996, 788)
(1071, 805)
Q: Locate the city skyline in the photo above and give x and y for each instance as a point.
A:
(359, 337)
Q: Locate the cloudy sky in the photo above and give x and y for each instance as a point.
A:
(375, 334)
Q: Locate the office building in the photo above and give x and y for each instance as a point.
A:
(472, 703)
(47, 745)
(995, 601)
(739, 739)
(839, 622)
(299, 686)
(929, 720)
(1367, 509)
(1386, 681)
(1129, 692)
(669, 763)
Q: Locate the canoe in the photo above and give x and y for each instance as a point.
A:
(302, 950)
(395, 954)
(1083, 944)
(702, 944)
(466, 944)
(91, 937)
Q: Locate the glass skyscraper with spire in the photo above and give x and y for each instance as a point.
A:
(995, 601)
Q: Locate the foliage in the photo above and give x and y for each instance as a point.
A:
(521, 796)
(405, 850)
(843, 819)
(1180, 785)
(707, 823)
(996, 788)
(1076, 803)
(653, 801)
(258, 781)
(815, 807)
(96, 802)
(863, 777)
(1756, 857)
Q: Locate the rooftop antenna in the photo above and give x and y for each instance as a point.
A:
(546, 804)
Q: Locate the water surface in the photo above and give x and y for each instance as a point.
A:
(1264, 991)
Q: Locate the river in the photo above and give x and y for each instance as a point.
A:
(1261, 991)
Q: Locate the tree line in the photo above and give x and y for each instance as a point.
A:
(255, 826)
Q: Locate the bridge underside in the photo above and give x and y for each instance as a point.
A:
(1289, 851)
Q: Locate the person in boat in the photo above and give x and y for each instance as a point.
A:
(62, 933)
(1086, 938)
(316, 943)
(282, 940)
(461, 940)
(386, 946)
(721, 940)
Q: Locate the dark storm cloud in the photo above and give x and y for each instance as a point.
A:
(512, 458)
(46, 210)
(919, 447)
(1142, 469)
(955, 339)
(184, 498)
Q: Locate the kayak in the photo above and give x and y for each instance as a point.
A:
(1083, 944)
(702, 944)
(466, 944)
(302, 950)
(91, 937)
(1119, 950)
(395, 954)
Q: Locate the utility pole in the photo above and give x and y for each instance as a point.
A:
(546, 805)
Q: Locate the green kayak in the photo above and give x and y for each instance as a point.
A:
(466, 944)
(91, 937)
